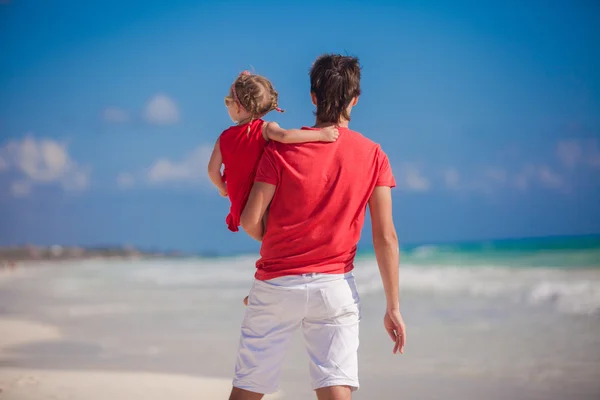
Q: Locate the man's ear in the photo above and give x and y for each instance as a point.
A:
(354, 101)
(313, 97)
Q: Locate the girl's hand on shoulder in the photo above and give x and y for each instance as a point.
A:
(329, 134)
(223, 192)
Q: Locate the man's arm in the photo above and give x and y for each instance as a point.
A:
(385, 243)
(258, 201)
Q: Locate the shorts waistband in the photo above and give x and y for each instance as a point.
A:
(293, 280)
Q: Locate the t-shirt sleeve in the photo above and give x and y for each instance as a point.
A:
(267, 171)
(385, 176)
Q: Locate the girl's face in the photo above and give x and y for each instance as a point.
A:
(235, 111)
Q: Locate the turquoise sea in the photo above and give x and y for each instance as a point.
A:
(570, 252)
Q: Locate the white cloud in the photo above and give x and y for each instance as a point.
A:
(115, 115)
(125, 180)
(451, 178)
(20, 188)
(411, 179)
(525, 177)
(521, 181)
(190, 169)
(487, 180)
(42, 162)
(549, 178)
(541, 174)
(76, 180)
(3, 164)
(495, 174)
(569, 152)
(574, 152)
(161, 110)
(593, 158)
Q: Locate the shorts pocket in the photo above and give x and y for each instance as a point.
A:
(340, 298)
(264, 296)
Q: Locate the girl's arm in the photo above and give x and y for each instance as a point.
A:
(214, 169)
(272, 131)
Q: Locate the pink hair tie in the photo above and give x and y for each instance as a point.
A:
(279, 110)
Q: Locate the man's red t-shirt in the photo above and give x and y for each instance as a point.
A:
(318, 211)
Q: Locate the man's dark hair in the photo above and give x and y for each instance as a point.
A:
(335, 81)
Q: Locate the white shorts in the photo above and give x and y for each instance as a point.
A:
(325, 305)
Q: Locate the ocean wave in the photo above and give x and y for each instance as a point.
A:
(575, 291)
(569, 291)
(577, 297)
(217, 272)
(424, 251)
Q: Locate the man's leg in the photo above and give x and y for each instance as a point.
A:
(272, 316)
(241, 394)
(331, 336)
(334, 393)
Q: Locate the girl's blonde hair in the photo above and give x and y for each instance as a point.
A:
(254, 94)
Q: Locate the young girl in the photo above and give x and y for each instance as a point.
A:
(239, 147)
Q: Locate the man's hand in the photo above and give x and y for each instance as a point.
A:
(223, 192)
(329, 134)
(394, 325)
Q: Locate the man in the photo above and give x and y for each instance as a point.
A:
(317, 195)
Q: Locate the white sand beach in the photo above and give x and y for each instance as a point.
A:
(40, 384)
(25, 384)
(15, 332)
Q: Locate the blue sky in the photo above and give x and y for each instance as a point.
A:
(489, 112)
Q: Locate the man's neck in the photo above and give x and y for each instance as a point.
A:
(342, 124)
